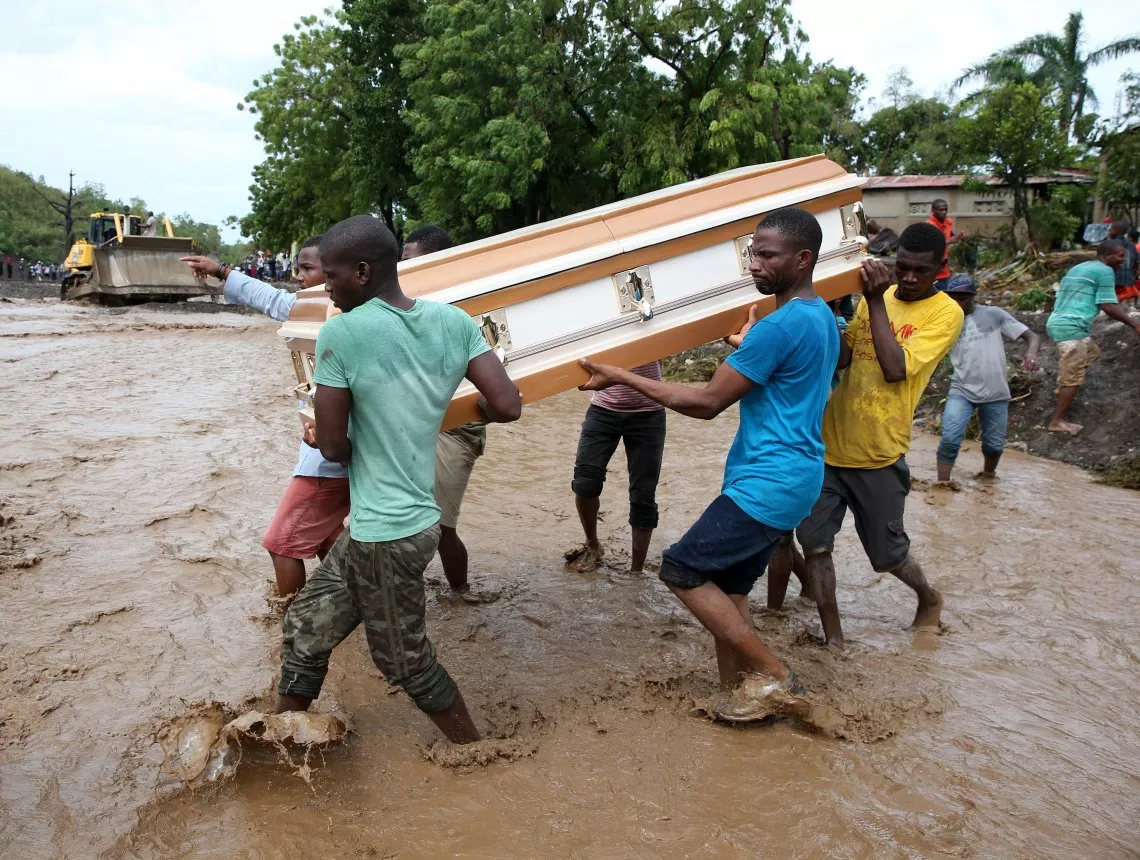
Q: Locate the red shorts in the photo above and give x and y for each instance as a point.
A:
(1123, 294)
(309, 517)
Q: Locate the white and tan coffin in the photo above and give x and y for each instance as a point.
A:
(622, 284)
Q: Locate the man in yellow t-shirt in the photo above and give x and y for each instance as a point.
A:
(894, 343)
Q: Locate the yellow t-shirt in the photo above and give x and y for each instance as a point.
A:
(867, 423)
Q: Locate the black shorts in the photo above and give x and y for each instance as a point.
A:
(643, 434)
(877, 498)
(725, 547)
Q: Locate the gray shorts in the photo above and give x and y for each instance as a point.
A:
(877, 498)
(455, 456)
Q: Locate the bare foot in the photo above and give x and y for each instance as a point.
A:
(929, 614)
(986, 476)
(585, 559)
(1065, 427)
(946, 485)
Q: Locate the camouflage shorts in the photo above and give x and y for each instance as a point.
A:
(379, 585)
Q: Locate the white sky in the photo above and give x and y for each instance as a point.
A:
(141, 95)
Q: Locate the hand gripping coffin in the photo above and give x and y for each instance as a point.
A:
(622, 284)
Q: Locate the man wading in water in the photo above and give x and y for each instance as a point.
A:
(385, 350)
(894, 343)
(781, 375)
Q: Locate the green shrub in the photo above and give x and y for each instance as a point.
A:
(1037, 298)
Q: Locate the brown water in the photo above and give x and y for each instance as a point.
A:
(143, 454)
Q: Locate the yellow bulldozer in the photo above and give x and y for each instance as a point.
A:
(116, 264)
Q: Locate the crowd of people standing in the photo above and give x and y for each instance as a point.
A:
(20, 269)
(267, 266)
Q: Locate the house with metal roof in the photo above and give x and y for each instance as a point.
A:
(896, 201)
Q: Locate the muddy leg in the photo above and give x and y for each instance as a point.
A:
(821, 571)
(453, 557)
(641, 538)
(799, 568)
(779, 572)
(722, 618)
(1065, 396)
(289, 572)
(456, 723)
(293, 703)
(588, 515)
(929, 613)
(727, 663)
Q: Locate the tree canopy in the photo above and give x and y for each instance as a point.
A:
(487, 115)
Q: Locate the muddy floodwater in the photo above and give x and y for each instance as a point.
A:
(142, 455)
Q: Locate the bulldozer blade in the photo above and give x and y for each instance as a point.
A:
(136, 272)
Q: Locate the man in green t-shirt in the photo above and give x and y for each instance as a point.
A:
(386, 370)
(1087, 289)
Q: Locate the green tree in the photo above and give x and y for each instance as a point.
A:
(39, 221)
(379, 136)
(1015, 133)
(1118, 185)
(525, 111)
(305, 183)
(1057, 64)
(206, 235)
(736, 87)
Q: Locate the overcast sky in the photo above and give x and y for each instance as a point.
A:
(141, 96)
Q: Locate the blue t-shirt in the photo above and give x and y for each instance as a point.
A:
(774, 470)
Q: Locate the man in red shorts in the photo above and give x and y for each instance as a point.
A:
(310, 516)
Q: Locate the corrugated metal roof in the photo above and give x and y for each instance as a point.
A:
(914, 182)
(956, 180)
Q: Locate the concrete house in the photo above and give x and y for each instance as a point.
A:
(896, 201)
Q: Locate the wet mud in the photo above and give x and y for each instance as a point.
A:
(143, 455)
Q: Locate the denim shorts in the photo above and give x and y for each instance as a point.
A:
(725, 547)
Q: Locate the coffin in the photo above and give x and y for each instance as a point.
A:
(622, 284)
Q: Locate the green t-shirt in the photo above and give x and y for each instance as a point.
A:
(1084, 288)
(402, 368)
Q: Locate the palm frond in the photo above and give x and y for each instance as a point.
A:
(1114, 51)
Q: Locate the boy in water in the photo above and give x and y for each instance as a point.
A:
(310, 516)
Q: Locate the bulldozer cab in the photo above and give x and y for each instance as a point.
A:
(107, 226)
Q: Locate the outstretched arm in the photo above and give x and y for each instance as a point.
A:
(241, 289)
(725, 388)
(499, 399)
(1117, 312)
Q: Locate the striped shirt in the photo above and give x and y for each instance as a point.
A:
(622, 398)
(1083, 290)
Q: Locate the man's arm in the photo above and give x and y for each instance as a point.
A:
(241, 289)
(725, 388)
(845, 352)
(499, 399)
(332, 407)
(1117, 312)
(892, 359)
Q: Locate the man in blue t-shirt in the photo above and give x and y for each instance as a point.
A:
(781, 376)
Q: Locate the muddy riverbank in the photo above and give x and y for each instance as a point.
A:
(144, 453)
